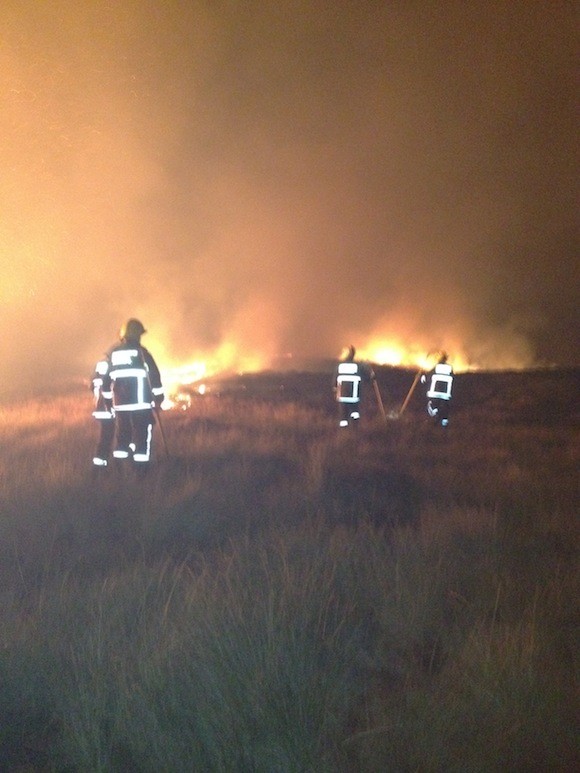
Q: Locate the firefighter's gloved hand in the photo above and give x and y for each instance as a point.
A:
(423, 378)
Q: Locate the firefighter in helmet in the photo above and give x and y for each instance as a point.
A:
(133, 381)
(439, 390)
(349, 376)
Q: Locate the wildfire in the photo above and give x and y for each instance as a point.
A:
(226, 359)
(398, 354)
(186, 377)
(181, 380)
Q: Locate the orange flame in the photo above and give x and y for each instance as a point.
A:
(391, 351)
(226, 359)
(233, 357)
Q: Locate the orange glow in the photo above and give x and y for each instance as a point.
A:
(230, 358)
(252, 345)
(392, 351)
(141, 176)
(227, 358)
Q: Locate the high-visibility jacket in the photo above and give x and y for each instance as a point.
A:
(348, 382)
(441, 381)
(132, 380)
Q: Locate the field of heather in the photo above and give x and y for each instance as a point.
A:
(281, 595)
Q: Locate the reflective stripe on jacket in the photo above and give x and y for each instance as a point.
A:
(348, 382)
(441, 381)
(135, 378)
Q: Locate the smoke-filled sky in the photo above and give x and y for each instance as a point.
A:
(269, 176)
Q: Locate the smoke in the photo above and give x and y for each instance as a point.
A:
(263, 178)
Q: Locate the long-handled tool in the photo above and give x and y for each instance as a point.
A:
(157, 411)
(156, 408)
(410, 392)
(379, 399)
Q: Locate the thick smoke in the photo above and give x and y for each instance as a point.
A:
(286, 177)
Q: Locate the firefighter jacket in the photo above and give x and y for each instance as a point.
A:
(103, 397)
(349, 377)
(132, 380)
(441, 381)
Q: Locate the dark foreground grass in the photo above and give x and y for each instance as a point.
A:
(278, 597)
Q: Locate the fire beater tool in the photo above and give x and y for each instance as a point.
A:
(410, 392)
(379, 399)
(156, 409)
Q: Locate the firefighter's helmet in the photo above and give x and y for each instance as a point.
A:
(132, 330)
(348, 353)
(442, 356)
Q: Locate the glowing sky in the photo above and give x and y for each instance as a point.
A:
(287, 176)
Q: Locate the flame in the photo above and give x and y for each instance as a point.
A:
(229, 359)
(407, 350)
(226, 359)
(392, 351)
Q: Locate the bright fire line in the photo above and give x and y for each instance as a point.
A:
(227, 360)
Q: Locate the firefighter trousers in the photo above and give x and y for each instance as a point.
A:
(134, 435)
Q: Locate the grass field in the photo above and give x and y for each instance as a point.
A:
(281, 596)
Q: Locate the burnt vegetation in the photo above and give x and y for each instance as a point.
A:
(279, 595)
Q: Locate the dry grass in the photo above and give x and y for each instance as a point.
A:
(280, 597)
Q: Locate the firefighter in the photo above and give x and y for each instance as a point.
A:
(103, 413)
(136, 389)
(439, 390)
(348, 379)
